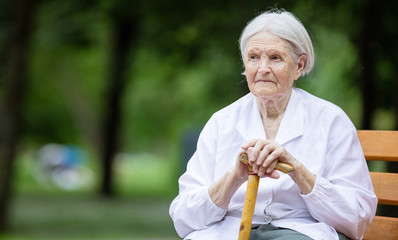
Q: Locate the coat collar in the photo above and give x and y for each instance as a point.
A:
(250, 125)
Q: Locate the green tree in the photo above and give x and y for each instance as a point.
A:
(124, 24)
(14, 83)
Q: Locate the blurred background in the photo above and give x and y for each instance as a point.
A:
(102, 101)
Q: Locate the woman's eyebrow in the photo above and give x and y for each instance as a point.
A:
(275, 51)
(253, 49)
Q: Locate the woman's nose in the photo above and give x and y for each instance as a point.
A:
(264, 67)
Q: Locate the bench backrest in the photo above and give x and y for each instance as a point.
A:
(382, 146)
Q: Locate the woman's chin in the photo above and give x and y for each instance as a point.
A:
(266, 93)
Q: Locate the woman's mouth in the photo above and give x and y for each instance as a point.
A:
(264, 81)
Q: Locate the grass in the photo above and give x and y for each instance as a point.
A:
(41, 211)
(85, 217)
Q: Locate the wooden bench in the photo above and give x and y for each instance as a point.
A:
(382, 146)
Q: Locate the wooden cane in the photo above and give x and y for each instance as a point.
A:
(251, 195)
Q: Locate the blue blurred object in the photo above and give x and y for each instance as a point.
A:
(62, 166)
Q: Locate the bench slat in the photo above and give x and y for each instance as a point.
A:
(382, 146)
(379, 145)
(382, 228)
(386, 187)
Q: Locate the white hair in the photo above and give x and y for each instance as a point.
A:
(285, 25)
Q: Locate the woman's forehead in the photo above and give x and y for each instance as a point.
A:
(268, 41)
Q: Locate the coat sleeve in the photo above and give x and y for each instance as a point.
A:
(343, 197)
(193, 208)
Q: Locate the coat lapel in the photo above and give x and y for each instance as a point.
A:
(250, 125)
(292, 124)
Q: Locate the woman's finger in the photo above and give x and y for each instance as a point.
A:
(255, 152)
(250, 143)
(267, 149)
(261, 171)
(271, 166)
(273, 158)
(274, 174)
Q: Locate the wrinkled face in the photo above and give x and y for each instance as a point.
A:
(269, 66)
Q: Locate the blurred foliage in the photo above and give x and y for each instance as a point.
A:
(184, 66)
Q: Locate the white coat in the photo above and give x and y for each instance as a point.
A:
(315, 132)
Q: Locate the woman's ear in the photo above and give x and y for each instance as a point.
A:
(301, 65)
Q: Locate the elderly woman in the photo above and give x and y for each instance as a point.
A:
(329, 195)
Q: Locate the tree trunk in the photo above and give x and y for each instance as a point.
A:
(125, 29)
(15, 80)
(367, 52)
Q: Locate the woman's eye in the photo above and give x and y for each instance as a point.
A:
(276, 58)
(253, 57)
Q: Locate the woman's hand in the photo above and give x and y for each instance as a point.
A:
(241, 171)
(263, 156)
